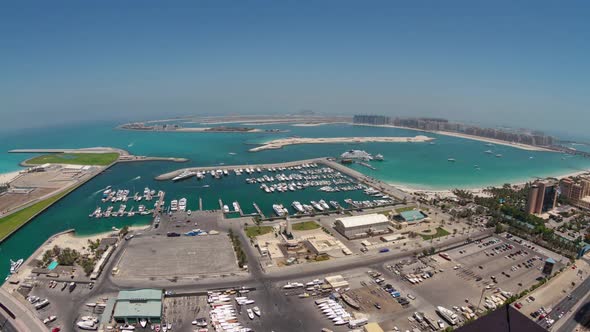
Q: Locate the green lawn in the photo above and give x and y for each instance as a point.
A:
(305, 226)
(439, 232)
(254, 231)
(403, 209)
(15, 220)
(101, 159)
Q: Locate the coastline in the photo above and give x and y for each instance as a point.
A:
(466, 136)
(412, 188)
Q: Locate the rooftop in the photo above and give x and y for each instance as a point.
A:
(412, 215)
(363, 220)
(140, 295)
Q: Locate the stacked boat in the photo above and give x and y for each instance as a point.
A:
(333, 311)
(89, 323)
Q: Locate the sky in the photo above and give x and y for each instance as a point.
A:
(518, 63)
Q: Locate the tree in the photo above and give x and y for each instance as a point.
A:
(124, 231)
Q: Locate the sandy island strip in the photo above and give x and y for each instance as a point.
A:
(215, 130)
(316, 124)
(279, 143)
(466, 136)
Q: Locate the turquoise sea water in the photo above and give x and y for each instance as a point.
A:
(415, 164)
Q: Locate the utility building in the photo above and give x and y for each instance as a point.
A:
(362, 226)
(132, 306)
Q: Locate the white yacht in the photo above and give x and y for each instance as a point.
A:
(298, 207)
(184, 175)
(182, 204)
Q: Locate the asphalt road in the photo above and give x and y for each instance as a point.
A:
(567, 303)
(5, 324)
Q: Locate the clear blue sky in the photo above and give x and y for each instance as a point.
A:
(494, 62)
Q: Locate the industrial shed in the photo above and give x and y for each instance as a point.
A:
(131, 306)
(363, 225)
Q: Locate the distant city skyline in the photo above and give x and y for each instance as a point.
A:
(518, 64)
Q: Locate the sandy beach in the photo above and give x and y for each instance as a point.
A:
(80, 243)
(8, 177)
(478, 191)
(471, 137)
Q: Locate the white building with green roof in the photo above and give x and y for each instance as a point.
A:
(133, 305)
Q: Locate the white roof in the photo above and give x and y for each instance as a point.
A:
(363, 220)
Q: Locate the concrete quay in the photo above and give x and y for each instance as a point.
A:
(171, 175)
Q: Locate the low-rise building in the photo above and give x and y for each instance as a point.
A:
(134, 305)
(363, 225)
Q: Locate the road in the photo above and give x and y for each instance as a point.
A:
(24, 320)
(580, 293)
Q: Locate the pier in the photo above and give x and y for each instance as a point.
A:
(160, 203)
(170, 175)
(258, 210)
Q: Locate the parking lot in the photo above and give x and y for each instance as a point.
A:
(514, 268)
(162, 256)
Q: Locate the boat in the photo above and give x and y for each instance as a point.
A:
(256, 311)
(173, 205)
(298, 207)
(378, 157)
(279, 209)
(447, 315)
(357, 154)
(225, 209)
(91, 304)
(498, 156)
(182, 204)
(87, 325)
(127, 327)
(143, 322)
(15, 265)
(189, 212)
(236, 206)
(184, 175)
(445, 256)
(451, 160)
(49, 319)
(335, 205)
(250, 313)
(324, 204)
(488, 151)
(317, 206)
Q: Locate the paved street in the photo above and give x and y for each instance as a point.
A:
(580, 293)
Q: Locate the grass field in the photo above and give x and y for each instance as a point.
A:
(254, 231)
(439, 232)
(305, 226)
(101, 159)
(404, 209)
(17, 219)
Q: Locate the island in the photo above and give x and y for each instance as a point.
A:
(279, 143)
(178, 128)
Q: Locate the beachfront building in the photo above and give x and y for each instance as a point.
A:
(576, 191)
(363, 225)
(135, 305)
(542, 197)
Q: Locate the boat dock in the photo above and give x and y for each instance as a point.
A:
(160, 203)
(258, 210)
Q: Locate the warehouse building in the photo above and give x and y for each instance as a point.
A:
(363, 225)
(132, 306)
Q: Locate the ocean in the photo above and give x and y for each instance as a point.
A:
(420, 165)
